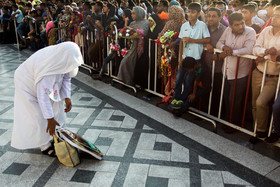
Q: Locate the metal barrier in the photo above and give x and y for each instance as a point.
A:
(204, 115)
(87, 40)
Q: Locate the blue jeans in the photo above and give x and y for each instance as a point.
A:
(20, 28)
(276, 115)
(186, 78)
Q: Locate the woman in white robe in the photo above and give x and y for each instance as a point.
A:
(42, 85)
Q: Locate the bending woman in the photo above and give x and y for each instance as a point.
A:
(42, 85)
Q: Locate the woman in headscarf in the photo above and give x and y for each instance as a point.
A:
(127, 66)
(51, 33)
(126, 20)
(142, 65)
(42, 85)
(176, 17)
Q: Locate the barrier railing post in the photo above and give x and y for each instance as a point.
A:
(247, 93)
(155, 77)
(100, 50)
(94, 64)
(234, 89)
(15, 24)
(109, 65)
(212, 85)
(276, 94)
(81, 46)
(149, 70)
(86, 39)
(222, 89)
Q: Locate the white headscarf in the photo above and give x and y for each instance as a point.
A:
(62, 58)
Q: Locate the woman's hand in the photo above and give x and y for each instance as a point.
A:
(52, 123)
(68, 105)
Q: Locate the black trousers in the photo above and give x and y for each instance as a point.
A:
(240, 94)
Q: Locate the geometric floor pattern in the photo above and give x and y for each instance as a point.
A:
(138, 150)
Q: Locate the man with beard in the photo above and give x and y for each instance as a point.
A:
(237, 39)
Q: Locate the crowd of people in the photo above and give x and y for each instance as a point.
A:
(236, 27)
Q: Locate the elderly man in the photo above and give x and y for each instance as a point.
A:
(237, 39)
(266, 44)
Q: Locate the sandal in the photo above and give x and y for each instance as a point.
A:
(50, 151)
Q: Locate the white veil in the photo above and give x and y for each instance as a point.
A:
(62, 58)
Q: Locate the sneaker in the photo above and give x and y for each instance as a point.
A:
(174, 101)
(177, 105)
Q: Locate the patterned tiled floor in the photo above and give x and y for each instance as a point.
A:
(143, 146)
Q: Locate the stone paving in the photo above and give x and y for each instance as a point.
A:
(143, 145)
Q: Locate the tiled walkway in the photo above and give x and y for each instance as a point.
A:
(143, 145)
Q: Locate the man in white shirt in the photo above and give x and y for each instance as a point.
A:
(267, 44)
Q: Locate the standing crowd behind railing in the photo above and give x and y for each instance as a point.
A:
(216, 58)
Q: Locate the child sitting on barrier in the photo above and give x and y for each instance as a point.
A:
(198, 76)
(193, 34)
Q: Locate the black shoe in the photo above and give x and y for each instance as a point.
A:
(97, 77)
(254, 140)
(272, 138)
(177, 112)
(261, 134)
